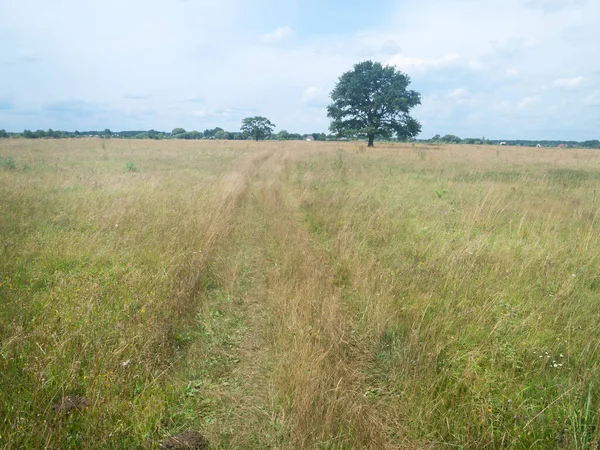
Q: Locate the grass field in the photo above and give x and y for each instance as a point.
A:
(299, 295)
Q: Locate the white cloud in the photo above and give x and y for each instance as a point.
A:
(207, 113)
(315, 96)
(593, 99)
(525, 102)
(476, 65)
(503, 105)
(508, 52)
(390, 47)
(407, 63)
(568, 82)
(553, 5)
(202, 113)
(278, 35)
(458, 93)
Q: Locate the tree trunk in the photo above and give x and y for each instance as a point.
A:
(371, 138)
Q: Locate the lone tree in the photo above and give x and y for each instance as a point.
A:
(372, 100)
(258, 127)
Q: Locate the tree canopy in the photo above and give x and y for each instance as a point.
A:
(373, 100)
(258, 127)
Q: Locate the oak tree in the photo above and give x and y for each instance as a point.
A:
(373, 101)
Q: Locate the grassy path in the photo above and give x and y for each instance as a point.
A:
(227, 367)
(287, 363)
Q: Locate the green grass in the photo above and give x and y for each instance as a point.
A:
(479, 286)
(7, 163)
(131, 167)
(293, 295)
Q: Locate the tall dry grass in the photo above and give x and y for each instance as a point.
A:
(102, 270)
(299, 295)
(473, 274)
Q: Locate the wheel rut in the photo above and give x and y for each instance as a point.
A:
(291, 376)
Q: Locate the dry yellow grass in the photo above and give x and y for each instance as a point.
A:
(299, 295)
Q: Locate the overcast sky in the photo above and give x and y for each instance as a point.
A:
(496, 68)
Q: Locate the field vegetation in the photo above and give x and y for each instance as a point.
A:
(298, 295)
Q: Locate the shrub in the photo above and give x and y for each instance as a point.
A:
(7, 163)
(131, 167)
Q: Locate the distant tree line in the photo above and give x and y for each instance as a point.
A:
(177, 133)
(283, 135)
(452, 139)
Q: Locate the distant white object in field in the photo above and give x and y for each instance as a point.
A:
(502, 143)
(310, 138)
(539, 145)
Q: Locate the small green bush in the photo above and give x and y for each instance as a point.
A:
(131, 167)
(7, 163)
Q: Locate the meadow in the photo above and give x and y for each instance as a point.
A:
(298, 295)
